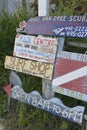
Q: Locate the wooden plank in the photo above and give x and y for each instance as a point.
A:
(39, 69)
(77, 44)
(70, 75)
(42, 49)
(53, 105)
(66, 26)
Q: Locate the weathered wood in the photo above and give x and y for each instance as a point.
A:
(70, 75)
(43, 10)
(53, 105)
(41, 49)
(66, 26)
(47, 89)
(35, 68)
(43, 7)
(47, 84)
(77, 44)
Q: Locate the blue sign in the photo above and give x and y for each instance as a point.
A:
(53, 105)
(69, 26)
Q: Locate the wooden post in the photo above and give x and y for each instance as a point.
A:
(43, 10)
(43, 7)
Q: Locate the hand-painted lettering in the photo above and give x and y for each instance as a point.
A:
(40, 67)
(56, 108)
(44, 41)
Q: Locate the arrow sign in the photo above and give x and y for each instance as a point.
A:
(70, 76)
(66, 26)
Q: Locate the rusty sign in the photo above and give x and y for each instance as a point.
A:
(53, 105)
(36, 48)
(70, 75)
(66, 26)
(39, 69)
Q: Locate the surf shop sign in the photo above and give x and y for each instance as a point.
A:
(39, 69)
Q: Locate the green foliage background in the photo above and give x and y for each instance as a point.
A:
(22, 116)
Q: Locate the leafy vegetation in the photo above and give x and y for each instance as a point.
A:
(22, 116)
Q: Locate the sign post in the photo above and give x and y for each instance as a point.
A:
(43, 7)
(43, 10)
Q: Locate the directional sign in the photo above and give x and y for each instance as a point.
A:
(54, 105)
(70, 75)
(66, 26)
(39, 69)
(36, 48)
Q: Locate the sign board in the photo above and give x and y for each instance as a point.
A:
(36, 48)
(70, 75)
(39, 69)
(66, 26)
(54, 105)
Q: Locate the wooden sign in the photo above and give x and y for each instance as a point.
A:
(39, 69)
(54, 105)
(36, 48)
(70, 75)
(66, 26)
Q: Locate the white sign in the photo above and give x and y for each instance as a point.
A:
(36, 48)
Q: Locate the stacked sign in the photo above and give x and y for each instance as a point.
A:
(39, 54)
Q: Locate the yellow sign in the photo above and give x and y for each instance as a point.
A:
(38, 69)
